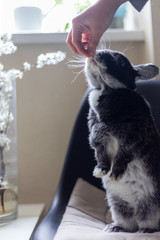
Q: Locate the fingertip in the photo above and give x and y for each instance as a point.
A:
(92, 53)
(92, 47)
(78, 47)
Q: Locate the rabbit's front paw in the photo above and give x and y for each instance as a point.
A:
(113, 228)
(116, 174)
(98, 172)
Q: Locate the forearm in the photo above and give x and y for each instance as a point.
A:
(102, 12)
(138, 4)
(112, 4)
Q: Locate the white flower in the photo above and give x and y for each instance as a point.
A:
(6, 45)
(11, 117)
(4, 108)
(3, 184)
(7, 48)
(5, 142)
(27, 66)
(5, 115)
(6, 83)
(4, 103)
(13, 74)
(6, 37)
(50, 58)
(1, 67)
(3, 123)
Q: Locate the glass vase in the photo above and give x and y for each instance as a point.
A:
(8, 154)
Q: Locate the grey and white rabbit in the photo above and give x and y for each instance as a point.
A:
(125, 140)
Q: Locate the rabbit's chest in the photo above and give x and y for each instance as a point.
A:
(113, 107)
(134, 186)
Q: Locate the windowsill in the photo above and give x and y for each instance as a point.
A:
(112, 35)
(22, 227)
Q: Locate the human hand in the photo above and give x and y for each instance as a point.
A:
(89, 26)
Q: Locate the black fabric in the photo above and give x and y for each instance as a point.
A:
(138, 4)
(80, 161)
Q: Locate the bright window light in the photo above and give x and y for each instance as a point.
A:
(46, 15)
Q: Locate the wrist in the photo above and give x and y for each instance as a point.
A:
(114, 3)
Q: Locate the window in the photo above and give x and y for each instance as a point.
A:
(51, 15)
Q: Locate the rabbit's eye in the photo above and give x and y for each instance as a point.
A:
(120, 61)
(99, 59)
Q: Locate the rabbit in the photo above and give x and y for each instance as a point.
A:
(125, 140)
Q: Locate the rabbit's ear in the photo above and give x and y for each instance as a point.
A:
(146, 71)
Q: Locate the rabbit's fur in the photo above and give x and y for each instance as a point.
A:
(125, 140)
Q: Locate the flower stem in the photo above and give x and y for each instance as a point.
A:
(2, 166)
(2, 174)
(2, 201)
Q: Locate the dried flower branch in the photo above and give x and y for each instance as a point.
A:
(7, 79)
